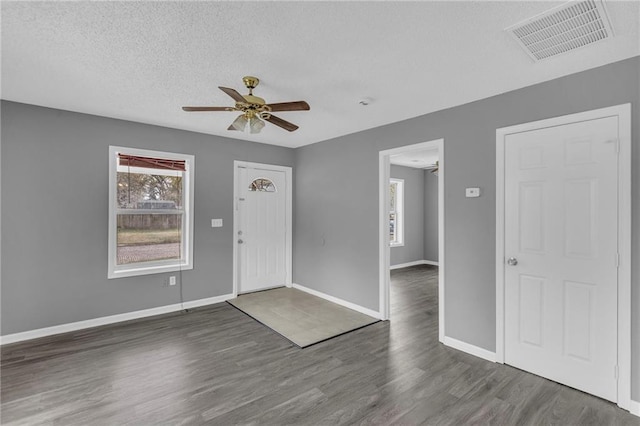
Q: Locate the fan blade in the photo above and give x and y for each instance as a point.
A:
(233, 93)
(282, 123)
(290, 106)
(192, 108)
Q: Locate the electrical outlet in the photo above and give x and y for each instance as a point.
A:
(172, 280)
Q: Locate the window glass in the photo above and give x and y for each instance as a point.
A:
(396, 214)
(151, 212)
(262, 185)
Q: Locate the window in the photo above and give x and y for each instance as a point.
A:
(396, 212)
(150, 212)
(262, 185)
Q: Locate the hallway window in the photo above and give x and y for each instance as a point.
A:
(396, 212)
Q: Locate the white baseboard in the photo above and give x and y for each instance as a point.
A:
(111, 319)
(414, 263)
(207, 301)
(469, 348)
(634, 406)
(340, 302)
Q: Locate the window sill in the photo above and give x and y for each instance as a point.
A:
(149, 270)
(396, 244)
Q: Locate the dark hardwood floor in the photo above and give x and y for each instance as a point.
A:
(215, 365)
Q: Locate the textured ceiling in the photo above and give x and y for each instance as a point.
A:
(142, 61)
(416, 159)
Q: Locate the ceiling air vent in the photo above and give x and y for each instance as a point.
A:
(567, 27)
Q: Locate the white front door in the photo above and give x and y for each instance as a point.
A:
(262, 228)
(561, 225)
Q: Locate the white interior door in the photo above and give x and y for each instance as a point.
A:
(561, 227)
(262, 229)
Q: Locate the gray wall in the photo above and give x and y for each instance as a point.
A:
(336, 231)
(413, 248)
(55, 210)
(430, 216)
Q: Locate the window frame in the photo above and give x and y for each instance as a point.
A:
(161, 266)
(399, 212)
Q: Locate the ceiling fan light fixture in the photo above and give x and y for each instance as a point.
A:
(255, 125)
(255, 111)
(240, 123)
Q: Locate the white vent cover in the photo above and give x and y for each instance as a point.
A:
(564, 28)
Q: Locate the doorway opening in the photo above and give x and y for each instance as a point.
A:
(394, 220)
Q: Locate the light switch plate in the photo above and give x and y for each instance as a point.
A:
(472, 192)
(216, 223)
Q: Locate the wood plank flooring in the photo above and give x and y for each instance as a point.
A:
(215, 365)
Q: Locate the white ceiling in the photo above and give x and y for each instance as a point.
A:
(416, 159)
(142, 61)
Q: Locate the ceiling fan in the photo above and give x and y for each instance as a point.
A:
(435, 168)
(254, 109)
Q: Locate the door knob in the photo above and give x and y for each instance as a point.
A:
(512, 261)
(240, 241)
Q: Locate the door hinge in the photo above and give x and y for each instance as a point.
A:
(617, 260)
(616, 372)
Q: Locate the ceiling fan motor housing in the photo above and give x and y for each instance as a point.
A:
(256, 100)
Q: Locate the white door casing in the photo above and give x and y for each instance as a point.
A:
(262, 228)
(383, 228)
(563, 310)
